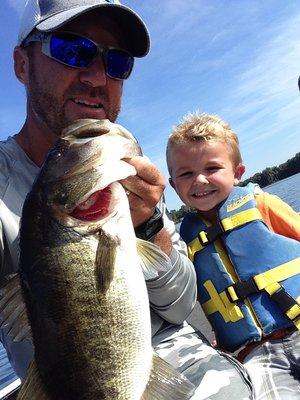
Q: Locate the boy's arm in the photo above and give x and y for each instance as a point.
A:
(278, 215)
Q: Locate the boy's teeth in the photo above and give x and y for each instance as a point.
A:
(202, 194)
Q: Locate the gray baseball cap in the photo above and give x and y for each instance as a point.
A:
(48, 15)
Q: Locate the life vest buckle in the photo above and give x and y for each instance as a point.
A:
(219, 302)
(287, 304)
(242, 290)
(283, 299)
(296, 322)
(210, 234)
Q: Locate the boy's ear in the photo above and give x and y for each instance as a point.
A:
(238, 173)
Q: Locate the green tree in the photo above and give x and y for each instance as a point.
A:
(276, 173)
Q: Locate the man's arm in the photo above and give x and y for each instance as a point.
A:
(172, 294)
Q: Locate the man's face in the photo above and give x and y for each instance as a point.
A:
(59, 94)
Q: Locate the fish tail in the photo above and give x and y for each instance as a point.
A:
(32, 388)
(167, 383)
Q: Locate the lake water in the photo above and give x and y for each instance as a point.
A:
(288, 190)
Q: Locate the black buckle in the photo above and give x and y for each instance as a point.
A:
(244, 288)
(283, 300)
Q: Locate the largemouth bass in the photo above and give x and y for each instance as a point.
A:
(82, 276)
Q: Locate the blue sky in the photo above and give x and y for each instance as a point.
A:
(237, 59)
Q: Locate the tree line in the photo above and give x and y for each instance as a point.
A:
(274, 174)
(264, 178)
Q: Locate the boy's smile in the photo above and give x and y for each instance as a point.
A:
(203, 174)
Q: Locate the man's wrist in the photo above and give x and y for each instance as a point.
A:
(151, 227)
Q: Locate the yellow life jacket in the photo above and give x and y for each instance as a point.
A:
(248, 277)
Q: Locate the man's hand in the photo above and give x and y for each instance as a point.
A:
(145, 189)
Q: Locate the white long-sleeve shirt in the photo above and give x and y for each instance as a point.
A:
(172, 295)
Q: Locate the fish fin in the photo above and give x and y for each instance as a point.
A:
(13, 314)
(152, 259)
(167, 383)
(105, 261)
(32, 388)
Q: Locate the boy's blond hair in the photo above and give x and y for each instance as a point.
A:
(204, 127)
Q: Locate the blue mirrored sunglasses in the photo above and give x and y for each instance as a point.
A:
(78, 52)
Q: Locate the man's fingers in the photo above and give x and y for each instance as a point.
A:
(148, 184)
(147, 171)
(145, 189)
(140, 190)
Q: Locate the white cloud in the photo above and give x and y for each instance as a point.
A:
(264, 101)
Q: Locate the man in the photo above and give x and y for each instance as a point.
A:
(72, 57)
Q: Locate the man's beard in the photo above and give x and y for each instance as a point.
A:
(49, 109)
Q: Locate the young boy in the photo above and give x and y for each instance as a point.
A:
(244, 244)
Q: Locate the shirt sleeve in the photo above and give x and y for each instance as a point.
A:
(20, 353)
(278, 215)
(172, 295)
(1, 250)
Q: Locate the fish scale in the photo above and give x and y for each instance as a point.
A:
(75, 325)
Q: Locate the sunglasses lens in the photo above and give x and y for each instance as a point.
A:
(79, 52)
(72, 50)
(118, 64)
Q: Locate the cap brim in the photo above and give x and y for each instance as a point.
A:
(137, 37)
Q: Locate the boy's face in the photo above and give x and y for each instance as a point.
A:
(203, 174)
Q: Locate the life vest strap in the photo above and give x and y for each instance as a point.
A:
(284, 300)
(287, 304)
(211, 233)
(225, 303)
(241, 290)
(193, 247)
(241, 218)
(268, 281)
(277, 274)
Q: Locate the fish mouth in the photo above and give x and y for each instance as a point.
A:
(95, 207)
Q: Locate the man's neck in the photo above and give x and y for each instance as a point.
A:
(35, 141)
